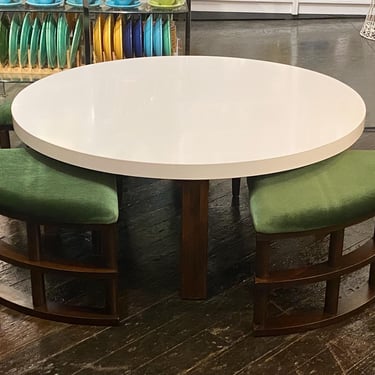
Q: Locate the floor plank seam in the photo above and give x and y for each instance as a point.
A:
(237, 286)
(131, 342)
(272, 353)
(216, 355)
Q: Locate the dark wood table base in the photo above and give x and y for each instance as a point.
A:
(194, 243)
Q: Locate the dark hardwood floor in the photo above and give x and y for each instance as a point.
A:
(162, 334)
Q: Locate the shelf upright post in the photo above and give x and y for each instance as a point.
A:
(87, 31)
(187, 28)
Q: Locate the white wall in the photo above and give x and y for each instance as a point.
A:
(294, 7)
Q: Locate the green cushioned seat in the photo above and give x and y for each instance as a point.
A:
(5, 113)
(332, 192)
(36, 187)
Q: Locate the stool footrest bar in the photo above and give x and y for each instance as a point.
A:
(303, 321)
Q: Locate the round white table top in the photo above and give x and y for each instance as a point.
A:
(189, 117)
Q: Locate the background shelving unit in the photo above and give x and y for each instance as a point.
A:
(88, 14)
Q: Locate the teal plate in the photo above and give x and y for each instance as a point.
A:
(42, 53)
(4, 38)
(112, 4)
(51, 5)
(34, 42)
(76, 41)
(11, 4)
(167, 46)
(25, 39)
(79, 4)
(51, 43)
(158, 37)
(147, 36)
(62, 40)
(14, 39)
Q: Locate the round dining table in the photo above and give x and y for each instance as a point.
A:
(191, 119)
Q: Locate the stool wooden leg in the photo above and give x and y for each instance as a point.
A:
(4, 139)
(236, 184)
(371, 279)
(37, 277)
(120, 186)
(96, 240)
(109, 239)
(261, 271)
(333, 285)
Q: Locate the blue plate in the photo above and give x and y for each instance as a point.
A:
(158, 37)
(11, 4)
(137, 38)
(111, 3)
(36, 4)
(147, 37)
(128, 38)
(74, 3)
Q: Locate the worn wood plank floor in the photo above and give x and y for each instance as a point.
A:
(161, 334)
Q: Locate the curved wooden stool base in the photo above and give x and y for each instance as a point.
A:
(37, 304)
(21, 302)
(4, 136)
(302, 322)
(335, 308)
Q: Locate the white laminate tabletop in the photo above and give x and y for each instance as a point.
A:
(189, 117)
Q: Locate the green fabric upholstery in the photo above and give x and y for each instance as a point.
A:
(5, 113)
(336, 191)
(42, 189)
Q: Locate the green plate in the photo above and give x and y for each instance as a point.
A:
(42, 53)
(4, 38)
(167, 47)
(62, 40)
(51, 42)
(25, 39)
(76, 41)
(155, 4)
(14, 39)
(34, 42)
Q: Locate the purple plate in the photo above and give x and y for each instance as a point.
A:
(137, 38)
(127, 39)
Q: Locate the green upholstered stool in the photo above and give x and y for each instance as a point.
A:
(42, 191)
(5, 123)
(323, 198)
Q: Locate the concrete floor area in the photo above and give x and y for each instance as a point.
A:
(164, 335)
(329, 46)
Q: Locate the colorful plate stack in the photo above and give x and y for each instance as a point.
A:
(130, 36)
(35, 41)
